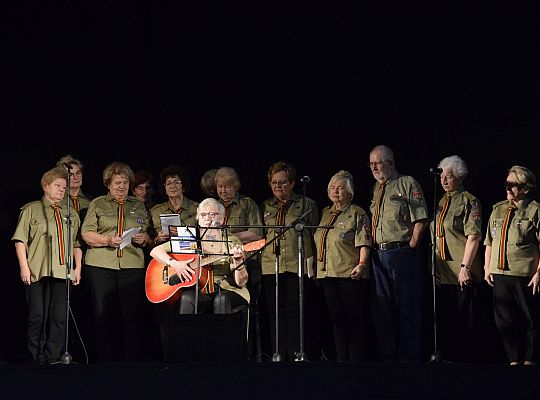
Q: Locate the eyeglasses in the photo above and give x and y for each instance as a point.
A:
(176, 182)
(282, 184)
(509, 185)
(379, 164)
(209, 214)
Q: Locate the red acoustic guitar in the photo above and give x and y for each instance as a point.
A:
(163, 284)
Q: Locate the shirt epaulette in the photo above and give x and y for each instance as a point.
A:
(30, 204)
(500, 203)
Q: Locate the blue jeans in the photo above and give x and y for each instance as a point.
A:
(397, 303)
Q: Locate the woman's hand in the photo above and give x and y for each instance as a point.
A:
(535, 280)
(162, 237)
(358, 271)
(25, 275)
(139, 239)
(76, 278)
(114, 241)
(464, 277)
(488, 277)
(182, 269)
(241, 274)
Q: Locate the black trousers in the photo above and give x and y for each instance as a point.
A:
(288, 313)
(517, 316)
(457, 327)
(46, 329)
(221, 302)
(347, 305)
(117, 299)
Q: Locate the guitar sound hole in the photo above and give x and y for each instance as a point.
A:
(174, 280)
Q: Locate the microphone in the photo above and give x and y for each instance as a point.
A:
(436, 171)
(305, 179)
(68, 166)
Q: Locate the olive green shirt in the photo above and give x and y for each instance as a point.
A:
(37, 229)
(523, 243)
(402, 205)
(463, 218)
(188, 213)
(102, 217)
(244, 211)
(288, 257)
(84, 202)
(223, 275)
(352, 230)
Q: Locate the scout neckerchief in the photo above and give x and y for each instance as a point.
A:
(504, 236)
(322, 243)
(120, 223)
(440, 227)
(376, 214)
(59, 234)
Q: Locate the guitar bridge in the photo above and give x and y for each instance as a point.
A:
(165, 275)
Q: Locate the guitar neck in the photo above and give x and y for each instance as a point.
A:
(207, 260)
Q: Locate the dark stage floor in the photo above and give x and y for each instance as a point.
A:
(267, 380)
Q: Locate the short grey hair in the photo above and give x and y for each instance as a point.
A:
(386, 152)
(456, 165)
(347, 177)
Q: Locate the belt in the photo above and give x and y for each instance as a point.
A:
(392, 245)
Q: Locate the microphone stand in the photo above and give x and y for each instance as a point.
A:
(299, 227)
(66, 358)
(436, 356)
(278, 231)
(276, 357)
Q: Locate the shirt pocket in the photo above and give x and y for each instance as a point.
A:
(457, 218)
(399, 207)
(345, 230)
(38, 227)
(495, 228)
(524, 231)
(269, 215)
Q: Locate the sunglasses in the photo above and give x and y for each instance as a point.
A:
(510, 185)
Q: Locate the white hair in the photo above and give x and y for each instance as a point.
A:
(456, 165)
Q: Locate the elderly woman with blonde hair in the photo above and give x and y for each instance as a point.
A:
(512, 267)
(343, 249)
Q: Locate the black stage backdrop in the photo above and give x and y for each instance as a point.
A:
(154, 82)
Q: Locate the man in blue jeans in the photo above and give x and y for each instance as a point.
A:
(399, 216)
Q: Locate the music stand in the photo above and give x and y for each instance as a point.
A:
(188, 239)
(436, 356)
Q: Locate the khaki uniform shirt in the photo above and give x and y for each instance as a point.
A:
(244, 211)
(222, 268)
(84, 202)
(402, 205)
(463, 218)
(102, 217)
(188, 213)
(522, 247)
(37, 229)
(352, 230)
(288, 258)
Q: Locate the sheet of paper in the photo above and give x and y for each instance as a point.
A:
(127, 235)
(167, 220)
(311, 267)
(185, 241)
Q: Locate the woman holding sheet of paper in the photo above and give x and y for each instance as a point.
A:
(115, 266)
